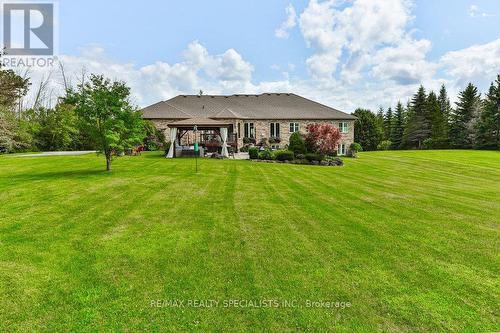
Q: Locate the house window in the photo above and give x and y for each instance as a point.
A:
(249, 130)
(294, 127)
(275, 130)
(344, 127)
(341, 149)
(239, 130)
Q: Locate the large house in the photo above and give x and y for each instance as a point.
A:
(248, 118)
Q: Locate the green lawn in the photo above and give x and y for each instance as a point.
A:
(410, 239)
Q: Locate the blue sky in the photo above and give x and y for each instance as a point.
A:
(344, 53)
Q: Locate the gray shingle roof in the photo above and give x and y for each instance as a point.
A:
(263, 106)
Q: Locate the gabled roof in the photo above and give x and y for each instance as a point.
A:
(263, 106)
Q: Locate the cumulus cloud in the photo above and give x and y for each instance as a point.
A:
(364, 33)
(479, 64)
(288, 24)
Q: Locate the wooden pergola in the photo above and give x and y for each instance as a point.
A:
(179, 128)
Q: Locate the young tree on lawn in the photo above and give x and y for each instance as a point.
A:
(367, 130)
(323, 138)
(397, 127)
(418, 127)
(488, 126)
(107, 116)
(464, 117)
(388, 124)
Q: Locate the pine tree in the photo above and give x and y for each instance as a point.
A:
(388, 124)
(434, 114)
(418, 125)
(380, 120)
(488, 126)
(397, 127)
(445, 107)
(464, 117)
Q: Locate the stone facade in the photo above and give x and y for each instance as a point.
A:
(263, 129)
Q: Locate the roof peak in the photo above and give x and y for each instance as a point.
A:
(238, 95)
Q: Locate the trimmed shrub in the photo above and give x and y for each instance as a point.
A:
(297, 143)
(384, 145)
(284, 155)
(356, 146)
(300, 156)
(253, 152)
(265, 155)
(314, 157)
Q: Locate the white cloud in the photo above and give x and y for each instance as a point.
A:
(404, 63)
(317, 24)
(478, 64)
(356, 35)
(475, 11)
(288, 24)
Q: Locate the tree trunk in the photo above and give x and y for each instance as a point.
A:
(108, 163)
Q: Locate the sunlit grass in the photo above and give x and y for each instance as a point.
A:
(409, 239)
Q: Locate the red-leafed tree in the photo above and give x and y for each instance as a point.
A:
(322, 138)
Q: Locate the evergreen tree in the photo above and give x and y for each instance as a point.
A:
(488, 126)
(418, 125)
(367, 130)
(388, 124)
(380, 120)
(464, 117)
(445, 108)
(397, 127)
(438, 122)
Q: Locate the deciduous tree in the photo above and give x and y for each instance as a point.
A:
(107, 115)
(367, 129)
(323, 138)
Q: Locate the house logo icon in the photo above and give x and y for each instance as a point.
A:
(28, 29)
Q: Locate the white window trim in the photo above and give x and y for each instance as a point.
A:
(273, 126)
(251, 130)
(295, 126)
(341, 149)
(344, 127)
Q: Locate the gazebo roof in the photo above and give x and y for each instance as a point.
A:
(199, 122)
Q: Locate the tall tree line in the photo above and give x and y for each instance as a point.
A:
(428, 121)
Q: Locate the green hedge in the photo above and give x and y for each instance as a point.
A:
(284, 155)
(253, 152)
